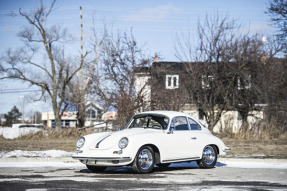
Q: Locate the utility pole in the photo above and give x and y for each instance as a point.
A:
(81, 104)
(82, 50)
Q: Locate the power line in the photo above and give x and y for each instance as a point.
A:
(18, 91)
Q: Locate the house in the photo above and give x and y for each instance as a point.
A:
(166, 85)
(94, 115)
(69, 119)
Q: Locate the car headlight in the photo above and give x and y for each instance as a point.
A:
(80, 142)
(123, 143)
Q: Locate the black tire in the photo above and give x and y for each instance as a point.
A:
(209, 157)
(96, 169)
(144, 160)
(163, 165)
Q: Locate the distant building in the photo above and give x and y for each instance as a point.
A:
(94, 114)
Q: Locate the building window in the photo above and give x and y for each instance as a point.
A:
(244, 83)
(67, 123)
(91, 114)
(172, 81)
(206, 81)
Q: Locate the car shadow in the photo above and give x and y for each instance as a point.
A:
(220, 164)
(129, 170)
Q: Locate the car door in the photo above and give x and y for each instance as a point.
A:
(197, 138)
(179, 140)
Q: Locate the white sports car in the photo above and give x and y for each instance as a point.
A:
(151, 138)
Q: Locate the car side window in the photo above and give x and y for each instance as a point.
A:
(180, 124)
(193, 125)
(154, 124)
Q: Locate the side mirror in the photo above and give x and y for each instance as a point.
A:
(171, 130)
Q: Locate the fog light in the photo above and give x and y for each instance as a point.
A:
(115, 161)
(118, 152)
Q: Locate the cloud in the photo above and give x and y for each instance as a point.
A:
(157, 14)
(261, 28)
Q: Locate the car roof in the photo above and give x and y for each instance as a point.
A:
(169, 114)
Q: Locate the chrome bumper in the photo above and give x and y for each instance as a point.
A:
(104, 161)
(102, 158)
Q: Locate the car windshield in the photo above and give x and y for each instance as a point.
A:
(149, 121)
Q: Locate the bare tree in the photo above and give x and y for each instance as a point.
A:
(228, 69)
(52, 74)
(205, 61)
(277, 10)
(116, 81)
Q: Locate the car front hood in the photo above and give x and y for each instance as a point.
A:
(108, 140)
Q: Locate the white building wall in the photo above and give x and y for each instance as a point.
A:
(142, 86)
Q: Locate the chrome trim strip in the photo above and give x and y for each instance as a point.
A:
(98, 144)
(225, 149)
(183, 159)
(102, 158)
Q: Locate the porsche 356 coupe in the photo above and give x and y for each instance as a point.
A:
(151, 138)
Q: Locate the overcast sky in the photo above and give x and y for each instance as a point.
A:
(155, 24)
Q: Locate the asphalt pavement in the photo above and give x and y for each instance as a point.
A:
(68, 174)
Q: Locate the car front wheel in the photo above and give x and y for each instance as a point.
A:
(144, 160)
(96, 169)
(209, 157)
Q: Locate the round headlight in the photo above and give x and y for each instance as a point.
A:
(123, 143)
(80, 142)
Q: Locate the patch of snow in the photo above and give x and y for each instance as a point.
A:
(256, 165)
(41, 154)
(12, 133)
(2, 153)
(247, 156)
(40, 164)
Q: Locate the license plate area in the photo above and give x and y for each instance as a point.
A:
(89, 162)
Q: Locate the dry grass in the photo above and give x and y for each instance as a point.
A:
(257, 148)
(262, 130)
(47, 140)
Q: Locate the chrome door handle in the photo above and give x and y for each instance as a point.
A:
(194, 138)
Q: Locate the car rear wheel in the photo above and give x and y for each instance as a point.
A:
(96, 169)
(144, 160)
(209, 157)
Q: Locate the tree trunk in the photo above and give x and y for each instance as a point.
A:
(81, 113)
(244, 126)
(58, 121)
(57, 115)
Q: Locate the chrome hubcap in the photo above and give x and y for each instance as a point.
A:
(145, 159)
(208, 155)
